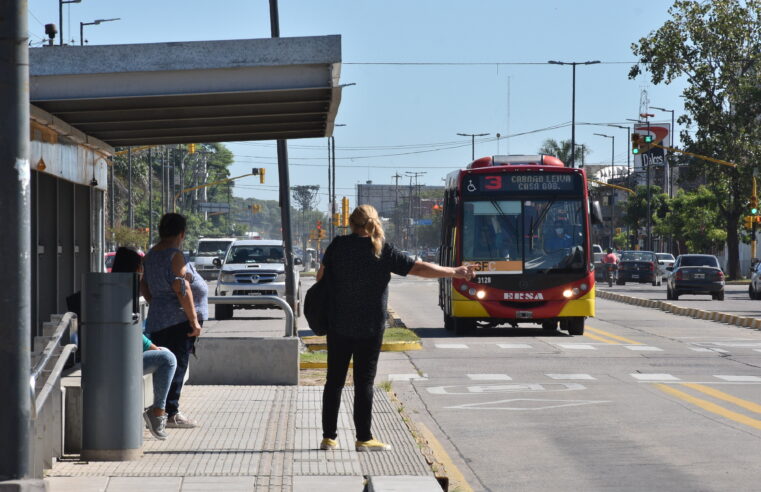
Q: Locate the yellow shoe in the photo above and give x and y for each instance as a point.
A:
(371, 445)
(328, 444)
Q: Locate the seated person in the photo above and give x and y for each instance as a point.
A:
(559, 240)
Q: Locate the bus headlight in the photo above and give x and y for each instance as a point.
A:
(481, 294)
(568, 293)
(226, 278)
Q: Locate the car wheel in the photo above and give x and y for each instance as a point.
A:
(668, 294)
(575, 326)
(620, 282)
(751, 292)
(223, 312)
(463, 326)
(719, 296)
(675, 295)
(550, 326)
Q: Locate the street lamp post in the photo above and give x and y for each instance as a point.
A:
(60, 16)
(649, 213)
(612, 172)
(628, 156)
(667, 168)
(573, 102)
(93, 23)
(473, 142)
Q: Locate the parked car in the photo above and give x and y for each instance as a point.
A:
(754, 288)
(254, 267)
(597, 255)
(668, 261)
(640, 267)
(696, 274)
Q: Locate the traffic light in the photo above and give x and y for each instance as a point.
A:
(256, 208)
(754, 204)
(191, 148)
(336, 219)
(261, 175)
(748, 222)
(345, 212)
(635, 142)
(618, 230)
(648, 138)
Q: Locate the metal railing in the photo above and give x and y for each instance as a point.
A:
(50, 350)
(290, 328)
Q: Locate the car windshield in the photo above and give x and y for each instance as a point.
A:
(516, 236)
(637, 256)
(255, 254)
(212, 248)
(665, 256)
(700, 261)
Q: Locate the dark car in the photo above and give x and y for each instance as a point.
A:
(639, 266)
(696, 274)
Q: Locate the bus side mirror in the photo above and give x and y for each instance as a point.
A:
(596, 213)
(217, 262)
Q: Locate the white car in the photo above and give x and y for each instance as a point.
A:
(254, 267)
(210, 248)
(668, 261)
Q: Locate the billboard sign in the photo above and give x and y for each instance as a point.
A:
(653, 156)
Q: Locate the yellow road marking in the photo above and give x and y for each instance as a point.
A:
(710, 407)
(600, 339)
(747, 405)
(611, 335)
(456, 477)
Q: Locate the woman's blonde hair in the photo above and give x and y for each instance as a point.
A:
(365, 219)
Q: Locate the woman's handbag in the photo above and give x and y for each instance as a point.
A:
(317, 305)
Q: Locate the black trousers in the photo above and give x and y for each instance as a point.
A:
(365, 352)
(176, 339)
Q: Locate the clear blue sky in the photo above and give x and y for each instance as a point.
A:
(406, 117)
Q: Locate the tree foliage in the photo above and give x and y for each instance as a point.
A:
(716, 46)
(696, 221)
(635, 209)
(562, 150)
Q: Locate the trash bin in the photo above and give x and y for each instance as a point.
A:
(112, 368)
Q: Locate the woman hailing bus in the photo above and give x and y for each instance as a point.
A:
(359, 267)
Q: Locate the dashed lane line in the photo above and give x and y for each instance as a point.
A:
(654, 377)
(490, 377)
(451, 346)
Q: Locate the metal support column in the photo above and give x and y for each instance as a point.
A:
(285, 189)
(130, 214)
(15, 245)
(150, 198)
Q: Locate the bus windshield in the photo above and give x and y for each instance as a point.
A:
(518, 236)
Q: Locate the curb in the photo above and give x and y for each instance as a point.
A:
(315, 343)
(726, 318)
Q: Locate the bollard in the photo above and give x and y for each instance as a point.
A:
(112, 368)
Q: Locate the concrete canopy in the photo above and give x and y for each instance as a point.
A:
(208, 91)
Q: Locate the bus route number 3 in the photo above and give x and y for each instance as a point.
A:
(493, 182)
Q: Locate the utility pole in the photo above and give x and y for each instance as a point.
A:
(473, 142)
(15, 247)
(412, 216)
(131, 217)
(150, 198)
(396, 204)
(649, 213)
(60, 16)
(285, 190)
(331, 227)
(667, 166)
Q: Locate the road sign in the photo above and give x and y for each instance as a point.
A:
(214, 207)
(424, 222)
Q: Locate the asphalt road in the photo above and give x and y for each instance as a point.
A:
(644, 401)
(736, 299)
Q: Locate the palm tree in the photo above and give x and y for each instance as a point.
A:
(562, 150)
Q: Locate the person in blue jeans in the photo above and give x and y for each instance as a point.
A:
(158, 361)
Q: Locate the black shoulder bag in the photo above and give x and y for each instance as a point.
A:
(317, 305)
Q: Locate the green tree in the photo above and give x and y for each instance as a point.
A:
(562, 150)
(635, 210)
(716, 46)
(696, 221)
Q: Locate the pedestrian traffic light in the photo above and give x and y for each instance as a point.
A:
(754, 204)
(345, 211)
(635, 143)
(261, 175)
(748, 222)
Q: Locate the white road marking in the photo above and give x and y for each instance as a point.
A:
(570, 376)
(525, 404)
(490, 377)
(504, 388)
(654, 377)
(451, 346)
(514, 345)
(739, 378)
(643, 348)
(576, 346)
(407, 377)
(736, 344)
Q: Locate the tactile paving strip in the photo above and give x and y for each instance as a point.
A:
(271, 432)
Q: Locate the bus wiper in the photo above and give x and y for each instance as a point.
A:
(496, 205)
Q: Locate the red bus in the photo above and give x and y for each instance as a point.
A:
(524, 222)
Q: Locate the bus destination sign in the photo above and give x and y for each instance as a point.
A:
(522, 183)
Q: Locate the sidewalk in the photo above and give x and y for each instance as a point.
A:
(254, 438)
